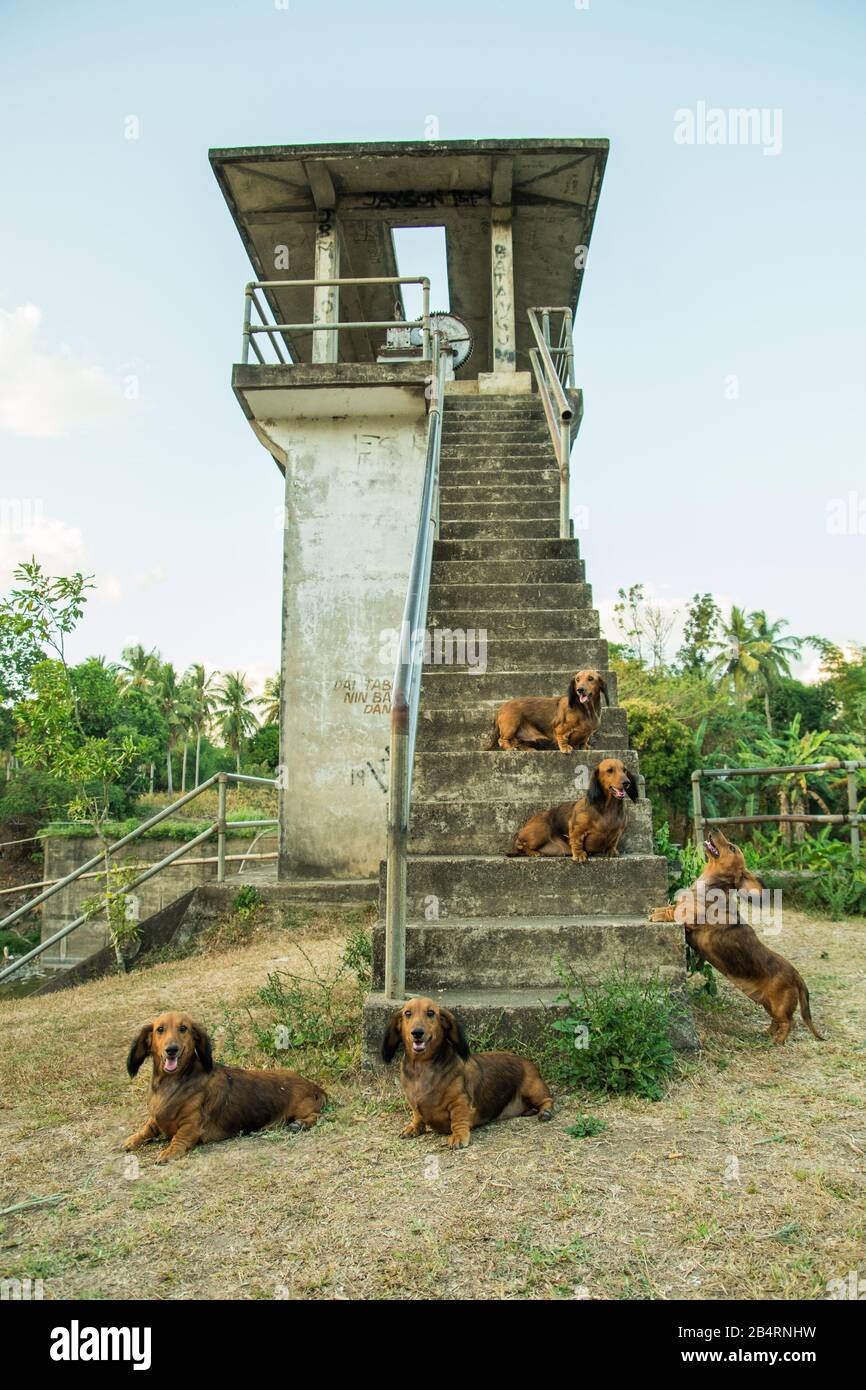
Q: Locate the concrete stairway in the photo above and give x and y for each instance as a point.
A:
(486, 932)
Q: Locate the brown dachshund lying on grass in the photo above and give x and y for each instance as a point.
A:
(709, 912)
(193, 1101)
(592, 825)
(570, 720)
(451, 1090)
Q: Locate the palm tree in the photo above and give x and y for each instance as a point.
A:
(200, 697)
(269, 700)
(139, 668)
(234, 711)
(753, 654)
(775, 661)
(171, 699)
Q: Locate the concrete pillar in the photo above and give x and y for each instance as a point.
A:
(502, 295)
(326, 302)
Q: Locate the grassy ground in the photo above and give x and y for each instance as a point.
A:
(745, 1181)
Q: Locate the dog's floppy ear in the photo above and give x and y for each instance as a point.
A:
(453, 1030)
(391, 1040)
(602, 690)
(203, 1046)
(573, 697)
(632, 789)
(752, 884)
(140, 1049)
(595, 793)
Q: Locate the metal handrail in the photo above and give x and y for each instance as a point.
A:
(558, 407)
(407, 689)
(220, 825)
(852, 817)
(272, 330)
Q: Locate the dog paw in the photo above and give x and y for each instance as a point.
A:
(410, 1132)
(295, 1126)
(457, 1141)
(580, 858)
(546, 1114)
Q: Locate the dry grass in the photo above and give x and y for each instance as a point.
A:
(643, 1210)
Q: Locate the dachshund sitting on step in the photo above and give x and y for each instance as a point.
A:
(592, 825)
(709, 912)
(451, 1090)
(193, 1101)
(569, 720)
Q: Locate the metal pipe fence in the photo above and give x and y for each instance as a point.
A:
(273, 330)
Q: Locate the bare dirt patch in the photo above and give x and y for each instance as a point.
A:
(745, 1181)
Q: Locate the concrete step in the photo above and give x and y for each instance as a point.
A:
(489, 953)
(537, 528)
(536, 775)
(500, 622)
(497, 508)
(521, 654)
(515, 493)
(510, 1017)
(522, 598)
(452, 685)
(503, 548)
(500, 431)
(489, 478)
(490, 450)
(488, 826)
(503, 572)
(467, 726)
(490, 886)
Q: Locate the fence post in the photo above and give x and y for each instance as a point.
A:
(697, 809)
(852, 811)
(222, 783)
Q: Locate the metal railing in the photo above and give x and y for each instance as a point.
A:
(272, 331)
(851, 817)
(407, 689)
(219, 827)
(553, 367)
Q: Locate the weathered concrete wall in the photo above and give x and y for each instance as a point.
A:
(354, 471)
(63, 854)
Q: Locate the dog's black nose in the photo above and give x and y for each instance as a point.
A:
(417, 1033)
(172, 1050)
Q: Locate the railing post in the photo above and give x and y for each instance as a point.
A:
(852, 811)
(697, 809)
(248, 311)
(564, 471)
(395, 895)
(425, 315)
(222, 784)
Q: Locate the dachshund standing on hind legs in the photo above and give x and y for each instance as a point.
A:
(714, 929)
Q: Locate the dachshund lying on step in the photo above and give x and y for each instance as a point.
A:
(592, 825)
(193, 1101)
(450, 1090)
(709, 912)
(570, 720)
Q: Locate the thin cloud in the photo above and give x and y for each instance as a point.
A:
(44, 394)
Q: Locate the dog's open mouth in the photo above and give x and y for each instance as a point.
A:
(170, 1063)
(583, 696)
(418, 1045)
(710, 848)
(619, 792)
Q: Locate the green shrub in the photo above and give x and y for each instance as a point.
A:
(586, 1127)
(247, 901)
(616, 1036)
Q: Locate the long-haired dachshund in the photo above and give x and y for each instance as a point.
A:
(592, 825)
(451, 1090)
(195, 1101)
(709, 912)
(570, 719)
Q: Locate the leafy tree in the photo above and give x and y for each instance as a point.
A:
(269, 700)
(264, 747)
(753, 653)
(139, 669)
(234, 707)
(702, 622)
(664, 744)
(200, 697)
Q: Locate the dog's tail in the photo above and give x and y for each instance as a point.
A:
(492, 739)
(805, 1011)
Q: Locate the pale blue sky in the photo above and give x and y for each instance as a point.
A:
(707, 263)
